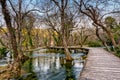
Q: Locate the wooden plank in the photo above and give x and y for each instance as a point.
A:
(101, 65)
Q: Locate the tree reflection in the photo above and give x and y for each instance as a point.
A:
(55, 67)
(69, 71)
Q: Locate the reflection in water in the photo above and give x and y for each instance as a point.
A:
(69, 72)
(55, 67)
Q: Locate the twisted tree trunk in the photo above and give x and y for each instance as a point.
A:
(16, 66)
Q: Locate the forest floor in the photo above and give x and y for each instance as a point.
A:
(5, 73)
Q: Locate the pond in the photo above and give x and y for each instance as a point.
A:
(53, 66)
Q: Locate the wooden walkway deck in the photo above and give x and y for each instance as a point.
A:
(101, 65)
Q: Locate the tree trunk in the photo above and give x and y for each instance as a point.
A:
(7, 19)
(108, 33)
(106, 46)
(103, 42)
(13, 41)
(67, 52)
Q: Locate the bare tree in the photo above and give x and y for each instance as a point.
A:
(62, 6)
(14, 17)
(93, 12)
(11, 30)
(101, 38)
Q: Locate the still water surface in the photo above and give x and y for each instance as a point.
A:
(54, 66)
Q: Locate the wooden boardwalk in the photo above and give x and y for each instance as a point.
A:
(101, 65)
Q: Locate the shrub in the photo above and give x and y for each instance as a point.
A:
(3, 52)
(117, 51)
(94, 43)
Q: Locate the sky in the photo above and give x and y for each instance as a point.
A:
(30, 4)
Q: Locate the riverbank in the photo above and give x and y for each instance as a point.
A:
(4, 73)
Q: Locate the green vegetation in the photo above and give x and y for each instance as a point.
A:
(94, 44)
(28, 71)
(27, 66)
(3, 52)
(54, 51)
(116, 51)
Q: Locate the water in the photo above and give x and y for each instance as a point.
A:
(51, 66)
(54, 66)
(3, 62)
